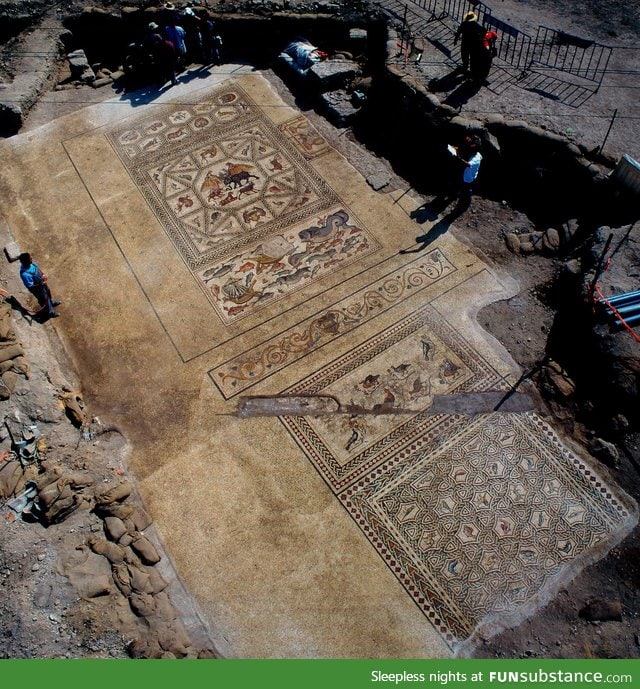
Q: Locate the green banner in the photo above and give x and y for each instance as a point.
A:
(325, 674)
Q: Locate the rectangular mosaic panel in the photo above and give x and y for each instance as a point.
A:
(250, 217)
(395, 375)
(248, 368)
(480, 525)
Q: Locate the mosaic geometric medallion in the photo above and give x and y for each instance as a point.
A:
(248, 214)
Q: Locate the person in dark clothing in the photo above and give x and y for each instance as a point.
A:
(211, 40)
(36, 283)
(482, 58)
(164, 54)
(470, 34)
(193, 39)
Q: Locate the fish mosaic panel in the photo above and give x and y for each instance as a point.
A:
(250, 217)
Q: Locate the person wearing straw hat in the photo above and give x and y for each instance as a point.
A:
(470, 34)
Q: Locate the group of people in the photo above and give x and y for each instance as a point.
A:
(477, 47)
(183, 37)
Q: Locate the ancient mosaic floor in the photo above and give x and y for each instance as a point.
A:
(218, 247)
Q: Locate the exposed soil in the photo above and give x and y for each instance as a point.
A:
(42, 613)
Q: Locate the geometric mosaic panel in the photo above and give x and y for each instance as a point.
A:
(481, 522)
(247, 213)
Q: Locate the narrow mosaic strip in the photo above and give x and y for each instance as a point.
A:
(249, 368)
(486, 521)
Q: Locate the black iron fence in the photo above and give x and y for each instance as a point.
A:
(572, 54)
(453, 9)
(556, 50)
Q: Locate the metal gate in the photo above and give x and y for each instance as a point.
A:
(454, 9)
(579, 56)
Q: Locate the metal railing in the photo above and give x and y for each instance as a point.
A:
(454, 9)
(556, 50)
(578, 56)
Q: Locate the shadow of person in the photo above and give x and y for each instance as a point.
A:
(448, 82)
(437, 230)
(430, 211)
(463, 93)
(22, 310)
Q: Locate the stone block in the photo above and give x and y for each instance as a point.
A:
(516, 124)
(552, 239)
(12, 251)
(330, 74)
(88, 76)
(572, 267)
(78, 60)
(431, 102)
(447, 110)
(513, 242)
(536, 239)
(339, 107)
(494, 119)
(97, 83)
(378, 180)
(465, 123)
(359, 35)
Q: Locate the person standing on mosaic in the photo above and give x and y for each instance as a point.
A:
(34, 280)
(470, 34)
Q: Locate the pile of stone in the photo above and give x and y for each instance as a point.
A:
(549, 242)
(12, 360)
(50, 493)
(82, 72)
(132, 557)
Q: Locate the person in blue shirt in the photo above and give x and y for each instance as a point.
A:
(470, 157)
(36, 283)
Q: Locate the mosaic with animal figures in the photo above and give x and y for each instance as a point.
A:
(250, 217)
